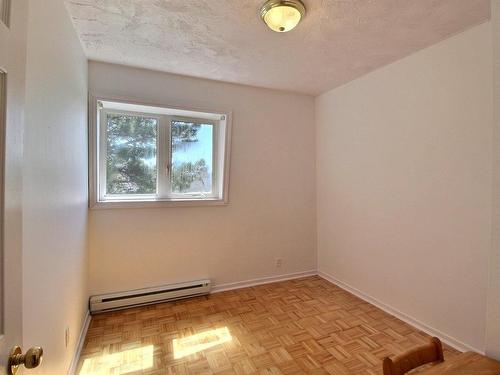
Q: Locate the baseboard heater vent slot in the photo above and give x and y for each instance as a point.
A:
(140, 297)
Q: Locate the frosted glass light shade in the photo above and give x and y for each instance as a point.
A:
(282, 15)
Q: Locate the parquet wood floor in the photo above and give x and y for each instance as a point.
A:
(304, 326)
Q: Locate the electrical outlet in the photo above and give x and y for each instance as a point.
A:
(66, 337)
(278, 262)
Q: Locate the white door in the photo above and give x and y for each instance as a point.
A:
(13, 27)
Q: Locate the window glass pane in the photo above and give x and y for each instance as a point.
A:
(192, 150)
(131, 154)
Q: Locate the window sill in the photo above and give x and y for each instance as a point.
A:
(113, 204)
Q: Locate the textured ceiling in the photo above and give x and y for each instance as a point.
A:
(225, 40)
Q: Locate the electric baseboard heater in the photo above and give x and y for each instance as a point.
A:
(148, 296)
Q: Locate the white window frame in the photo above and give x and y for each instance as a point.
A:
(5, 13)
(163, 198)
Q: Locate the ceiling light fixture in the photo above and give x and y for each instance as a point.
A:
(282, 15)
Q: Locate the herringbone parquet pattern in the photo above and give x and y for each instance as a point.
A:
(305, 326)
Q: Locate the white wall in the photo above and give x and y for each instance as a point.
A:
(404, 184)
(272, 194)
(55, 186)
(493, 327)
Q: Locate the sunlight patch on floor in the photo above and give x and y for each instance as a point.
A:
(119, 363)
(200, 341)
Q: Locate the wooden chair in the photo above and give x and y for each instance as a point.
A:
(432, 352)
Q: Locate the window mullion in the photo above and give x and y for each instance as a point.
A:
(168, 148)
(163, 158)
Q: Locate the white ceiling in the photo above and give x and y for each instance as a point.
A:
(338, 40)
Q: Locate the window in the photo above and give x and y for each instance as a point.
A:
(4, 11)
(146, 155)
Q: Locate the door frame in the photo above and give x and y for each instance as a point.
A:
(13, 43)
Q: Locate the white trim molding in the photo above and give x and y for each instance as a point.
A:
(79, 345)
(262, 280)
(164, 114)
(217, 288)
(451, 341)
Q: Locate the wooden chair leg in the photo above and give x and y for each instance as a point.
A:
(388, 366)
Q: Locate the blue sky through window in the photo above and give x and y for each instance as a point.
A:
(194, 151)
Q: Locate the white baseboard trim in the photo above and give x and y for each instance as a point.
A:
(79, 344)
(262, 280)
(451, 341)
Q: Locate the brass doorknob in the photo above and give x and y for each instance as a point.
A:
(31, 359)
